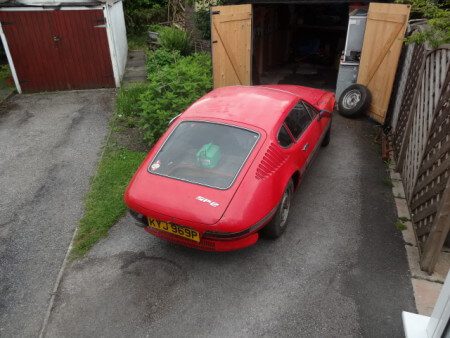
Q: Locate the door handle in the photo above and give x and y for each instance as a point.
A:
(56, 38)
(305, 147)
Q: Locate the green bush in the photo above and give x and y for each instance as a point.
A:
(437, 31)
(160, 58)
(155, 27)
(172, 38)
(171, 90)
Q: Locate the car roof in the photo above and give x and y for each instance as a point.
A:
(260, 106)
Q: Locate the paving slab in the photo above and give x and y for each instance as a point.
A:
(426, 294)
(408, 234)
(395, 176)
(135, 70)
(402, 208)
(397, 189)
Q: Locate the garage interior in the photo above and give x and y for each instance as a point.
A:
(299, 43)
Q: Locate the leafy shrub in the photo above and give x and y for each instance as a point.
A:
(437, 31)
(128, 106)
(172, 38)
(155, 27)
(160, 58)
(171, 90)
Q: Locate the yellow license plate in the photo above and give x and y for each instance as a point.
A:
(174, 229)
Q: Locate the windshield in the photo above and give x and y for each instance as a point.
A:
(205, 153)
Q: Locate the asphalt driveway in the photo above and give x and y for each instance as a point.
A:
(339, 270)
(49, 147)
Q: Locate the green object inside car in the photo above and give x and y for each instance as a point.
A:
(208, 156)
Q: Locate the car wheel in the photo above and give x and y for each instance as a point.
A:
(326, 139)
(278, 223)
(354, 100)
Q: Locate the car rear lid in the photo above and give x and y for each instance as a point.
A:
(179, 200)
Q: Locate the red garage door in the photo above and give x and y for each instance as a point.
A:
(58, 49)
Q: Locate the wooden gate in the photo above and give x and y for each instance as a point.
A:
(58, 49)
(231, 41)
(383, 39)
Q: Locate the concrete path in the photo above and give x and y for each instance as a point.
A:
(49, 147)
(136, 70)
(339, 270)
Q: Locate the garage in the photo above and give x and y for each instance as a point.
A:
(310, 43)
(78, 46)
(298, 44)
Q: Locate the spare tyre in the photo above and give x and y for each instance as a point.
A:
(354, 100)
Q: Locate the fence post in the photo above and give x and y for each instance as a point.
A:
(438, 233)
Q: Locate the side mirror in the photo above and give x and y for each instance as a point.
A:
(324, 113)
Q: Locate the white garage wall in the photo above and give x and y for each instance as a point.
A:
(117, 36)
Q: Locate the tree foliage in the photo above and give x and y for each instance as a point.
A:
(437, 31)
(171, 90)
(174, 39)
(141, 13)
(175, 82)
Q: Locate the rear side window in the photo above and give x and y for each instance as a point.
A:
(284, 139)
(298, 119)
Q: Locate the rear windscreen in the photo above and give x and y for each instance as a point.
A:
(204, 153)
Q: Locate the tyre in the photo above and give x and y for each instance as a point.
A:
(326, 139)
(278, 223)
(354, 100)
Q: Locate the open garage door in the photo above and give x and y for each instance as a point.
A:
(231, 41)
(383, 40)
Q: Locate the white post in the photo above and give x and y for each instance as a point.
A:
(10, 59)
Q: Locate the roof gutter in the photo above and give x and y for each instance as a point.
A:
(55, 4)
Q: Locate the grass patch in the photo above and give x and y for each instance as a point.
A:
(126, 105)
(400, 225)
(104, 203)
(137, 42)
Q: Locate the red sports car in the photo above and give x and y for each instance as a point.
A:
(226, 169)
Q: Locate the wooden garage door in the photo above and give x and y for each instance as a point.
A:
(231, 37)
(383, 39)
(58, 49)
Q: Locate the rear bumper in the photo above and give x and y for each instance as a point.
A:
(207, 244)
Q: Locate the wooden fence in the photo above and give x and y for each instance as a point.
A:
(420, 135)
